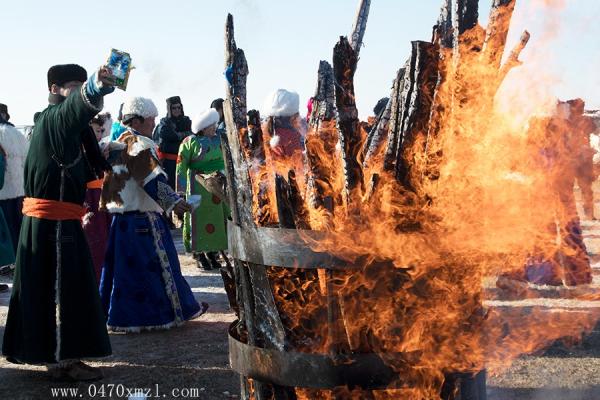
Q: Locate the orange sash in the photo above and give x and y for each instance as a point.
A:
(97, 184)
(166, 156)
(52, 209)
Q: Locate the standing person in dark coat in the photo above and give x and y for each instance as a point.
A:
(55, 315)
(169, 134)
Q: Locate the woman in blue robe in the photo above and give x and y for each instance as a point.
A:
(142, 287)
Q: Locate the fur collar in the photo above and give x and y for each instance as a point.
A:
(136, 165)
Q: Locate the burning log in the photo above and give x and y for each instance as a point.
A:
(513, 58)
(360, 25)
(322, 139)
(260, 176)
(373, 296)
(284, 204)
(344, 67)
(300, 212)
(379, 134)
(411, 113)
(497, 31)
(467, 15)
(423, 77)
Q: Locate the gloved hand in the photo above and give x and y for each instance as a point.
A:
(100, 84)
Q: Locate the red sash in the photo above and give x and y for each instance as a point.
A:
(166, 156)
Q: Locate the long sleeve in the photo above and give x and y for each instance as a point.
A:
(74, 114)
(166, 132)
(183, 162)
(159, 189)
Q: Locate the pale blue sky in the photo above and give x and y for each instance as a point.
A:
(177, 46)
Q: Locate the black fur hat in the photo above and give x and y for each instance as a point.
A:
(61, 74)
(171, 101)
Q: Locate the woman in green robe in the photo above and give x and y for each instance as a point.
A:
(7, 254)
(205, 230)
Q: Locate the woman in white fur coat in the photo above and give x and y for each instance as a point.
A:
(11, 195)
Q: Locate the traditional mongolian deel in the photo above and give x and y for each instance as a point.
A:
(205, 229)
(169, 134)
(96, 224)
(55, 312)
(142, 286)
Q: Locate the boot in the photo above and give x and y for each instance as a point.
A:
(202, 262)
(75, 372)
(212, 257)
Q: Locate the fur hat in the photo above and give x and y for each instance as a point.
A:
(4, 109)
(282, 103)
(171, 101)
(204, 120)
(61, 74)
(138, 107)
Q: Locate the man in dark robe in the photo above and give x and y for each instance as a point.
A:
(169, 134)
(55, 315)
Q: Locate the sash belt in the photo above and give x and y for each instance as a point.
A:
(166, 156)
(52, 210)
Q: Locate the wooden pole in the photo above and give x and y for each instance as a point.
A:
(360, 25)
(344, 67)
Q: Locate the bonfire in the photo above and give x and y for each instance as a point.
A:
(361, 266)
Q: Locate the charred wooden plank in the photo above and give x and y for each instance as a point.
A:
(240, 188)
(256, 143)
(344, 67)
(398, 100)
(456, 17)
(497, 31)
(267, 322)
(373, 185)
(298, 206)
(443, 31)
(380, 132)
(321, 139)
(466, 15)
(360, 25)
(236, 73)
(258, 170)
(423, 78)
(235, 105)
(284, 205)
(324, 97)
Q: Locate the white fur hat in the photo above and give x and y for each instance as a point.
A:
(204, 120)
(282, 103)
(139, 106)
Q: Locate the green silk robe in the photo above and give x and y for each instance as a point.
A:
(205, 229)
(55, 312)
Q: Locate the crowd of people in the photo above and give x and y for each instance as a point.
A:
(87, 206)
(87, 209)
